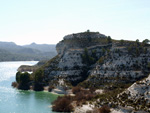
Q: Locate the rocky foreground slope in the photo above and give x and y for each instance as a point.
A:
(137, 95)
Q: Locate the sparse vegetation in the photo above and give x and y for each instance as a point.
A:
(63, 104)
(104, 109)
(76, 89)
(14, 84)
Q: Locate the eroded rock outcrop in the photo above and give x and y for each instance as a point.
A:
(137, 95)
(71, 53)
(80, 41)
(96, 56)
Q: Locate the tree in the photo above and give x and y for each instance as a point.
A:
(38, 76)
(122, 42)
(145, 50)
(109, 40)
(137, 42)
(101, 60)
(103, 50)
(145, 42)
(85, 56)
(88, 30)
(18, 76)
(137, 51)
(38, 79)
(87, 59)
(23, 80)
(148, 66)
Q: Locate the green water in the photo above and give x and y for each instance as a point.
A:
(17, 101)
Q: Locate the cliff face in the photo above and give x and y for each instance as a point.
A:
(80, 41)
(137, 95)
(71, 52)
(92, 60)
(93, 56)
(120, 66)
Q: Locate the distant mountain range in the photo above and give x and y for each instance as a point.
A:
(9, 51)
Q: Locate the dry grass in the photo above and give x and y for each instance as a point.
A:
(63, 104)
(76, 89)
(104, 109)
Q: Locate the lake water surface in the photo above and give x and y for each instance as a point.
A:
(17, 101)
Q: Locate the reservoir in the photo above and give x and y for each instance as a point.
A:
(18, 101)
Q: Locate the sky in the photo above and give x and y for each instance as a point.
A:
(48, 21)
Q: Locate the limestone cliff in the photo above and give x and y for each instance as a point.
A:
(99, 59)
(119, 66)
(137, 95)
(80, 41)
(93, 60)
(71, 51)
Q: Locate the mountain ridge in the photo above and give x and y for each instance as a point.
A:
(13, 52)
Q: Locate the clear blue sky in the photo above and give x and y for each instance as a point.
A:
(48, 21)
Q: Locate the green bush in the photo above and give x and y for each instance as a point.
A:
(39, 75)
(23, 80)
(38, 86)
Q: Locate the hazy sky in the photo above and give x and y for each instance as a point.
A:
(48, 21)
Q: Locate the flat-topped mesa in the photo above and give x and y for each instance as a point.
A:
(80, 41)
(85, 35)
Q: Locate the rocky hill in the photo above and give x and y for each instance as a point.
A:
(99, 59)
(92, 60)
(76, 53)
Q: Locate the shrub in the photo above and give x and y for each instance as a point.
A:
(92, 89)
(101, 60)
(80, 96)
(23, 80)
(14, 84)
(76, 89)
(18, 76)
(38, 87)
(104, 109)
(23, 86)
(63, 104)
(38, 75)
(84, 95)
(89, 96)
(50, 88)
